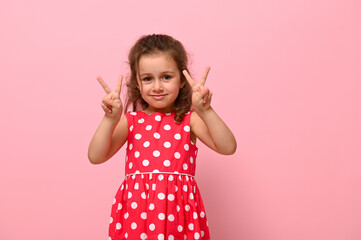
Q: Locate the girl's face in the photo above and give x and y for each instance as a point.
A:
(158, 82)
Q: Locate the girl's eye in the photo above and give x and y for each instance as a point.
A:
(147, 79)
(167, 77)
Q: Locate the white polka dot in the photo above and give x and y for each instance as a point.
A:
(143, 195)
(171, 197)
(134, 205)
(177, 136)
(138, 136)
(118, 226)
(167, 164)
(167, 144)
(177, 155)
(161, 196)
(195, 215)
(114, 201)
(130, 146)
(160, 177)
(186, 147)
(141, 120)
(170, 178)
(129, 194)
(158, 118)
(191, 226)
(148, 127)
(136, 154)
(156, 135)
(167, 127)
(145, 162)
(126, 186)
(196, 235)
(126, 215)
(143, 215)
(153, 186)
(161, 216)
(143, 236)
(180, 228)
(120, 206)
(202, 233)
(191, 196)
(187, 207)
(170, 237)
(146, 144)
(111, 220)
(156, 171)
(151, 206)
(185, 166)
(178, 208)
(133, 113)
(187, 128)
(191, 159)
(126, 235)
(202, 214)
(122, 187)
(136, 186)
(130, 165)
(151, 227)
(147, 186)
(156, 153)
(131, 128)
(171, 217)
(134, 225)
(175, 188)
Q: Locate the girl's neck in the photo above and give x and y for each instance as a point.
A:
(151, 111)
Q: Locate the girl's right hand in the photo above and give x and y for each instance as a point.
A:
(111, 103)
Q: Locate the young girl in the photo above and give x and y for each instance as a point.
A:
(159, 198)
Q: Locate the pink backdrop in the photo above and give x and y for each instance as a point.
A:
(285, 76)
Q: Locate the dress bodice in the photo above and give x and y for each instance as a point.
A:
(157, 143)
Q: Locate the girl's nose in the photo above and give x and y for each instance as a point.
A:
(158, 85)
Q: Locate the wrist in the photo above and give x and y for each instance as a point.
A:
(113, 120)
(204, 112)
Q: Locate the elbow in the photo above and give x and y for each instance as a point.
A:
(94, 160)
(229, 150)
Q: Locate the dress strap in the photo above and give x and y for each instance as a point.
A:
(170, 173)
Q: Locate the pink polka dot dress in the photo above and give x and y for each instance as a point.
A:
(159, 198)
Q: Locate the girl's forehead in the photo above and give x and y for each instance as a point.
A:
(158, 62)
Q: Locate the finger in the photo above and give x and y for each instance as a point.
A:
(104, 85)
(207, 98)
(106, 108)
(112, 103)
(189, 78)
(204, 92)
(118, 87)
(204, 76)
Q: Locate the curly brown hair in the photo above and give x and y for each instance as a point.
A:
(159, 43)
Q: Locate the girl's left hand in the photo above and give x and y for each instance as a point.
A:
(201, 96)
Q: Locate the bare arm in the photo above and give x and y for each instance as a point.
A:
(205, 122)
(108, 139)
(112, 132)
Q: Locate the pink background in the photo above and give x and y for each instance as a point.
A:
(285, 76)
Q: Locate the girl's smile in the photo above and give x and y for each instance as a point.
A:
(159, 82)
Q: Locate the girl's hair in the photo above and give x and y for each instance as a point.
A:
(172, 48)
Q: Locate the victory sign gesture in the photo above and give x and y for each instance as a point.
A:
(201, 95)
(111, 103)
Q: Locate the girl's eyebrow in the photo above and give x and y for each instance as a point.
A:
(145, 74)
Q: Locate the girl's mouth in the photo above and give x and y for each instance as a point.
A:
(158, 96)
